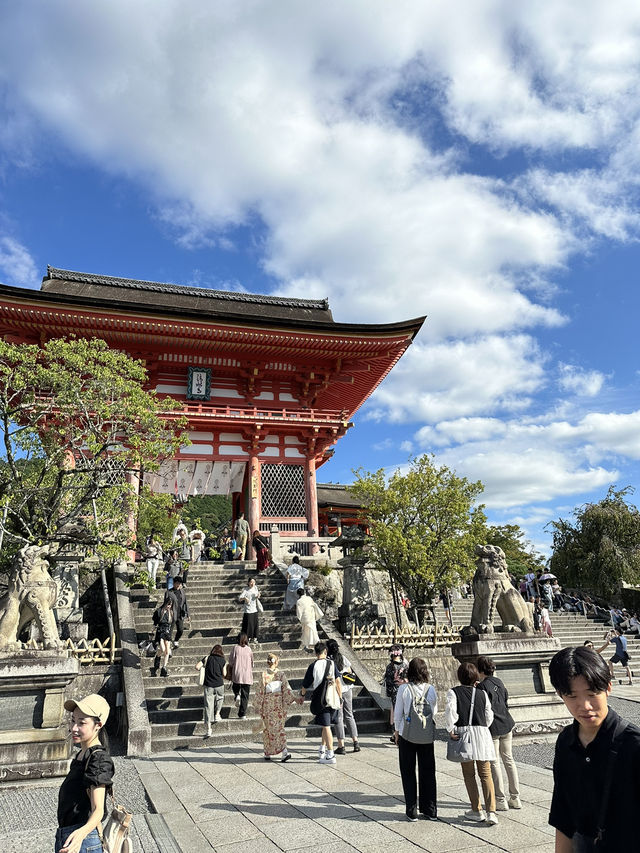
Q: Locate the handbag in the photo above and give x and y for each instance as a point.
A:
(461, 749)
(259, 605)
(115, 832)
(331, 698)
(228, 672)
(201, 672)
(349, 677)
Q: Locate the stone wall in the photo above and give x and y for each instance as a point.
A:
(442, 666)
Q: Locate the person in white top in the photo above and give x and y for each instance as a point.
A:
(417, 693)
(457, 713)
(345, 713)
(251, 598)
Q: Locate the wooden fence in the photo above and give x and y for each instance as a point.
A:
(371, 637)
(87, 651)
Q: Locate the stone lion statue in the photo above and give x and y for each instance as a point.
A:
(31, 594)
(492, 590)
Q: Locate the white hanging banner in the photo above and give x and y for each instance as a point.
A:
(201, 478)
(186, 470)
(188, 477)
(237, 476)
(166, 477)
(151, 480)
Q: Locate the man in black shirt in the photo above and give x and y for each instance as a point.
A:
(581, 807)
(178, 598)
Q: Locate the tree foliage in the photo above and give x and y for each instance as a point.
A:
(74, 417)
(424, 525)
(210, 512)
(602, 548)
(521, 555)
(155, 512)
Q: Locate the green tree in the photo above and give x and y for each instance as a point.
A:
(155, 512)
(521, 555)
(602, 548)
(74, 417)
(210, 512)
(424, 525)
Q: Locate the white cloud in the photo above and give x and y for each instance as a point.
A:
(585, 382)
(17, 267)
(525, 462)
(444, 381)
(343, 131)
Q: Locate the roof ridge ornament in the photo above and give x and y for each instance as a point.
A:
(162, 287)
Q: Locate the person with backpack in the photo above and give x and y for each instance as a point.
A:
(501, 731)
(394, 675)
(415, 709)
(320, 677)
(596, 769)
(163, 620)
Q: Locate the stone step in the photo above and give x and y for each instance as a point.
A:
(180, 717)
(161, 691)
(190, 735)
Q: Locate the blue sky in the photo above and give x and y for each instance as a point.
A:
(476, 163)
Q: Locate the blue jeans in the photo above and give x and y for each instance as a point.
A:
(169, 582)
(91, 843)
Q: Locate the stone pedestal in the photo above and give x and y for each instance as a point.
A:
(33, 730)
(522, 663)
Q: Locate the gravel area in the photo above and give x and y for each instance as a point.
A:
(541, 754)
(28, 812)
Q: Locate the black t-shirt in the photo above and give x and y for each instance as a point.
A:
(502, 719)
(579, 776)
(214, 671)
(94, 769)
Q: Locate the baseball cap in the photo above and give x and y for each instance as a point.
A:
(92, 705)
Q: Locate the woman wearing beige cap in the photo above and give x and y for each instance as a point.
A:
(81, 799)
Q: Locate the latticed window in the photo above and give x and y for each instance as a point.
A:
(283, 491)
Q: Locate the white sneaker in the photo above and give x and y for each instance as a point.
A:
(477, 816)
(218, 718)
(501, 806)
(514, 803)
(237, 699)
(327, 758)
(492, 819)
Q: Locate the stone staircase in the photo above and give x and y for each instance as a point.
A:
(174, 703)
(571, 629)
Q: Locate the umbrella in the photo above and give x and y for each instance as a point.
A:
(547, 576)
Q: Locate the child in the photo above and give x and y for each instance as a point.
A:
(585, 763)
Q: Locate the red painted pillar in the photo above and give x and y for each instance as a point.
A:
(311, 496)
(255, 500)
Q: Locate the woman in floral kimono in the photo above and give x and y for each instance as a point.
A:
(272, 700)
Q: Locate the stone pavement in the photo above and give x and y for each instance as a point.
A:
(230, 800)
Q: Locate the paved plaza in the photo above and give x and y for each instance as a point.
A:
(230, 800)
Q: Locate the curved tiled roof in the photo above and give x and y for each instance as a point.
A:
(161, 287)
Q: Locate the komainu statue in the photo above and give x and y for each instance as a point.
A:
(31, 595)
(492, 590)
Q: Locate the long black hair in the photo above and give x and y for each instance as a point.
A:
(333, 651)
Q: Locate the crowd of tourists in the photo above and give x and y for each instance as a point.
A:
(597, 758)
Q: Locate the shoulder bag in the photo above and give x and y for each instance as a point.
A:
(115, 832)
(331, 696)
(201, 672)
(461, 749)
